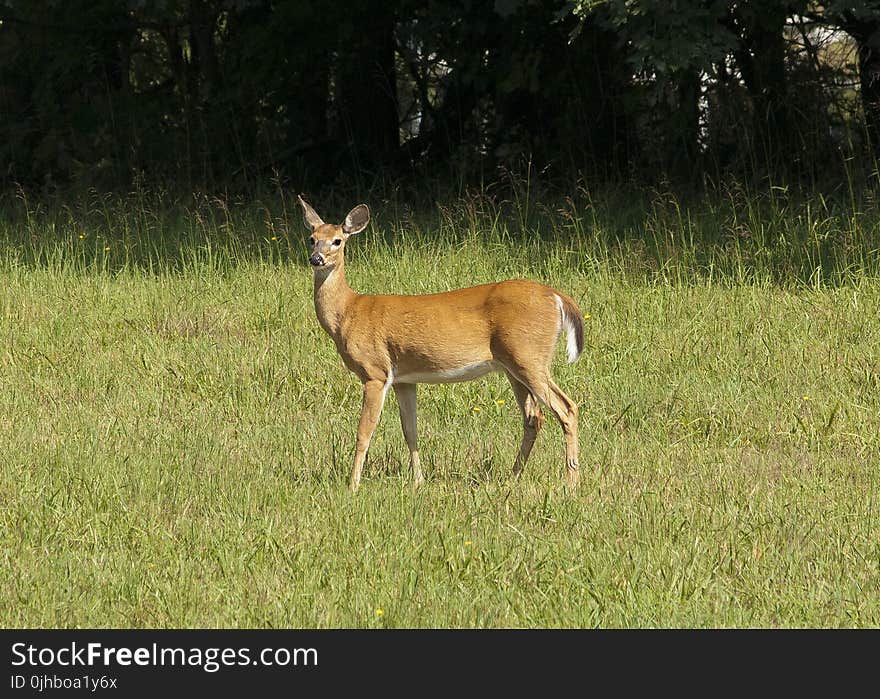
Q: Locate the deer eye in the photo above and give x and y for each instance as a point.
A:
(337, 242)
(311, 240)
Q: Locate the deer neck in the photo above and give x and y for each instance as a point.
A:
(332, 296)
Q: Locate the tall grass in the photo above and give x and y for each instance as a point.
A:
(176, 430)
(730, 232)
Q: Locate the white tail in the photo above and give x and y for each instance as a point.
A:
(399, 341)
(573, 325)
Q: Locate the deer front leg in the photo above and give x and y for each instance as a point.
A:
(406, 401)
(374, 398)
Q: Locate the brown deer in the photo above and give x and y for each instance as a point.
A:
(400, 341)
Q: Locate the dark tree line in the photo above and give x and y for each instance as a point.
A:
(216, 91)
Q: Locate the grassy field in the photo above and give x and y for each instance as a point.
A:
(176, 430)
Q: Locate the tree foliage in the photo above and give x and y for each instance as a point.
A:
(216, 91)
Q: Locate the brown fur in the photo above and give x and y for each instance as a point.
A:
(513, 324)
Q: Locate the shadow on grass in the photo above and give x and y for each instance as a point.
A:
(723, 234)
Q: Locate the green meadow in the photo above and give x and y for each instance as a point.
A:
(176, 430)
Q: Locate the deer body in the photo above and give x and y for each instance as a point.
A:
(396, 341)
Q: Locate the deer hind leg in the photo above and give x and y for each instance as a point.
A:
(542, 386)
(373, 400)
(406, 401)
(533, 420)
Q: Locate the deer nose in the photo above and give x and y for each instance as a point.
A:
(316, 260)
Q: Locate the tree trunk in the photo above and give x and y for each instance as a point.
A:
(688, 131)
(308, 105)
(366, 95)
(606, 140)
(869, 78)
(762, 61)
(202, 23)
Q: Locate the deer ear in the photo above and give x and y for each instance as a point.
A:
(312, 220)
(357, 219)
